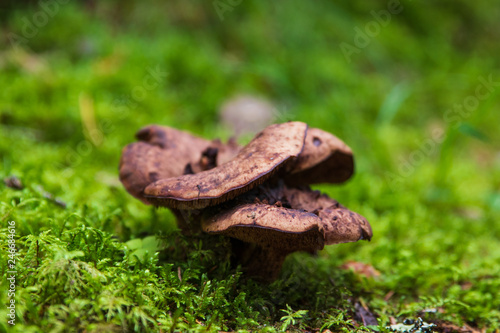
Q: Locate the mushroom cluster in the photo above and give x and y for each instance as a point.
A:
(258, 194)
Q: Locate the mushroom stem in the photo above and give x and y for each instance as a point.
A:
(259, 262)
(187, 221)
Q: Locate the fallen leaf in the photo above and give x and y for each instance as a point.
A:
(360, 268)
(364, 315)
(445, 327)
(13, 182)
(388, 295)
(466, 285)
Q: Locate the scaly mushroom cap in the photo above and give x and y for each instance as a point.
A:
(336, 223)
(267, 225)
(312, 221)
(274, 220)
(165, 152)
(325, 159)
(269, 151)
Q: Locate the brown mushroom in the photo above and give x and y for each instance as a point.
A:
(269, 151)
(270, 231)
(257, 195)
(325, 159)
(165, 152)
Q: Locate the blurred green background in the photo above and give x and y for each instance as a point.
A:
(412, 86)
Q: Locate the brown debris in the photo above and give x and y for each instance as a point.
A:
(57, 201)
(363, 269)
(13, 182)
(389, 295)
(364, 315)
(445, 327)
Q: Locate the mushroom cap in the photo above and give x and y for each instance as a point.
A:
(325, 159)
(140, 165)
(338, 224)
(185, 144)
(267, 225)
(216, 154)
(269, 151)
(163, 152)
(314, 220)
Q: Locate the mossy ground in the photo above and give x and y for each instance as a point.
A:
(74, 91)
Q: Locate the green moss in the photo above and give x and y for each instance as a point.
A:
(104, 262)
